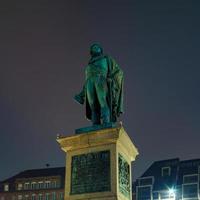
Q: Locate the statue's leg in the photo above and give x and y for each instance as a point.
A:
(105, 115)
(95, 118)
(92, 100)
(102, 92)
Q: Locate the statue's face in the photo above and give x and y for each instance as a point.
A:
(95, 50)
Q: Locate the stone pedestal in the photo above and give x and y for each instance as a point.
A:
(98, 165)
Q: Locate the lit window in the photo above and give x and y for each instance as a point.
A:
(33, 185)
(33, 197)
(53, 196)
(19, 186)
(47, 184)
(26, 186)
(164, 195)
(6, 187)
(40, 197)
(26, 197)
(166, 171)
(19, 197)
(61, 196)
(40, 185)
(47, 196)
(58, 184)
(54, 184)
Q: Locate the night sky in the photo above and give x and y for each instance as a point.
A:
(44, 48)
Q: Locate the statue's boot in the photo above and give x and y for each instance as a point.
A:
(105, 115)
(95, 118)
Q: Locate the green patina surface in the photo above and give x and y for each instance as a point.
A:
(90, 173)
(124, 176)
(96, 127)
(102, 91)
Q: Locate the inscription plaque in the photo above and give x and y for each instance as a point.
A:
(124, 176)
(90, 172)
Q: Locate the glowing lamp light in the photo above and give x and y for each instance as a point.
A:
(172, 192)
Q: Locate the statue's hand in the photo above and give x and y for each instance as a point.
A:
(79, 98)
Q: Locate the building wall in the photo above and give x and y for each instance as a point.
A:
(39, 188)
(34, 195)
(169, 179)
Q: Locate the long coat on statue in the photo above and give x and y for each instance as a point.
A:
(115, 89)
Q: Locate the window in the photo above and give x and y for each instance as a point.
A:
(19, 197)
(53, 196)
(54, 184)
(155, 195)
(57, 184)
(19, 186)
(33, 185)
(33, 197)
(40, 185)
(47, 184)
(40, 197)
(190, 190)
(47, 196)
(61, 196)
(26, 197)
(6, 187)
(190, 178)
(166, 171)
(144, 193)
(26, 186)
(146, 181)
(164, 195)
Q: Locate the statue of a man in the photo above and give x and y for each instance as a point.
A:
(103, 89)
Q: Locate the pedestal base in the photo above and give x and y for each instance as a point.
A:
(98, 165)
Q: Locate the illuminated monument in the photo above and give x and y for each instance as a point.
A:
(98, 158)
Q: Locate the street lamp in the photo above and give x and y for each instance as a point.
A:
(172, 194)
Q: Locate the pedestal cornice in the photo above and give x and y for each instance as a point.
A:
(97, 138)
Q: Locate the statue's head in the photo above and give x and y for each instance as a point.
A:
(96, 50)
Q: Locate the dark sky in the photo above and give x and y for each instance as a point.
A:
(44, 49)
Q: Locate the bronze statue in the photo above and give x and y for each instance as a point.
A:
(103, 88)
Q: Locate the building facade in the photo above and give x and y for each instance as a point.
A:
(169, 179)
(36, 184)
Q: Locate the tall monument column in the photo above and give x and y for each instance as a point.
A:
(98, 165)
(98, 157)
